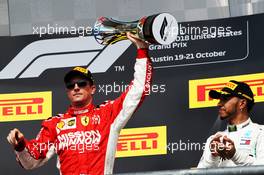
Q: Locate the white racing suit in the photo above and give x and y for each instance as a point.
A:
(249, 144)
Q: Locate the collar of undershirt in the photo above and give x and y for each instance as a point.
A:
(86, 109)
(232, 128)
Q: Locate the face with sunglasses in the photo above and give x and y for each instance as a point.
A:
(80, 92)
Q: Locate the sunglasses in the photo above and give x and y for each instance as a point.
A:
(80, 83)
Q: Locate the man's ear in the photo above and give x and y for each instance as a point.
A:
(93, 89)
(243, 103)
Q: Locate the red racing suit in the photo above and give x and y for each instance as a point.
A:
(85, 140)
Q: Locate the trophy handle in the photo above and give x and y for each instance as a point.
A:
(155, 29)
(110, 31)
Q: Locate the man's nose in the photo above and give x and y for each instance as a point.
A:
(220, 103)
(76, 87)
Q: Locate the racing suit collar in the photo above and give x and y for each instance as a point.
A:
(232, 128)
(74, 111)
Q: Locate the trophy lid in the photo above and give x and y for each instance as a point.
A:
(164, 28)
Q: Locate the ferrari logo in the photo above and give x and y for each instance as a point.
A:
(85, 120)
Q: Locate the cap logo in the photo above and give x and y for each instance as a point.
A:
(231, 85)
(246, 96)
(224, 93)
(81, 69)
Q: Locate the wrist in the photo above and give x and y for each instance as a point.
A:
(142, 46)
(142, 53)
(213, 158)
(20, 146)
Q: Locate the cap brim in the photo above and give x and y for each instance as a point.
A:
(72, 74)
(214, 94)
(223, 93)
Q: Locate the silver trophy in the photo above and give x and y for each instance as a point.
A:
(156, 29)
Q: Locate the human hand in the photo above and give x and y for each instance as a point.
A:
(214, 145)
(229, 150)
(139, 43)
(222, 146)
(15, 137)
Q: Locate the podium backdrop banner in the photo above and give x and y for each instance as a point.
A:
(170, 128)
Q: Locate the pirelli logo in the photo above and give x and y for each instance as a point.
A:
(199, 89)
(142, 141)
(25, 106)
